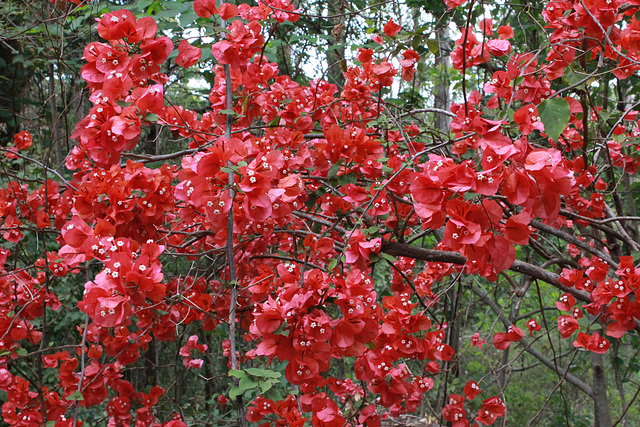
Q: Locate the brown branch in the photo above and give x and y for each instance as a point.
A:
(431, 255)
(574, 241)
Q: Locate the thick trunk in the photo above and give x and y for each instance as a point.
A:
(619, 386)
(441, 92)
(337, 39)
(454, 333)
(600, 400)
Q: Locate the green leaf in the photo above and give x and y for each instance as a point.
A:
(432, 45)
(246, 383)
(75, 396)
(333, 172)
(570, 77)
(265, 386)
(349, 178)
(554, 114)
(228, 169)
(388, 257)
(236, 373)
(228, 111)
(264, 373)
(150, 117)
(371, 230)
(272, 394)
(332, 264)
(416, 43)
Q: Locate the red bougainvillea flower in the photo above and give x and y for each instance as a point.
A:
(491, 409)
(517, 229)
(187, 55)
(594, 343)
(566, 302)
(502, 340)
(185, 352)
(486, 26)
(117, 25)
(259, 408)
(454, 3)
(471, 390)
(391, 28)
(454, 411)
(527, 118)
(499, 47)
(22, 140)
(105, 300)
(476, 341)
(228, 11)
(506, 32)
(533, 326)
(567, 325)
(222, 400)
(408, 61)
(205, 8)
(359, 249)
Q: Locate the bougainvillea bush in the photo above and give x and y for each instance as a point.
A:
(317, 253)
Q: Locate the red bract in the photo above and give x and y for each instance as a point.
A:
(533, 326)
(505, 32)
(391, 28)
(454, 3)
(22, 140)
(566, 302)
(409, 59)
(454, 411)
(502, 340)
(528, 118)
(243, 41)
(471, 390)
(491, 409)
(594, 343)
(185, 352)
(227, 11)
(475, 52)
(187, 55)
(499, 47)
(205, 8)
(359, 249)
(117, 25)
(567, 325)
(476, 341)
(517, 229)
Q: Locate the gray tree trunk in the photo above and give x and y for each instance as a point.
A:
(600, 400)
(441, 93)
(337, 39)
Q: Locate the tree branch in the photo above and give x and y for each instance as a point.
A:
(431, 255)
